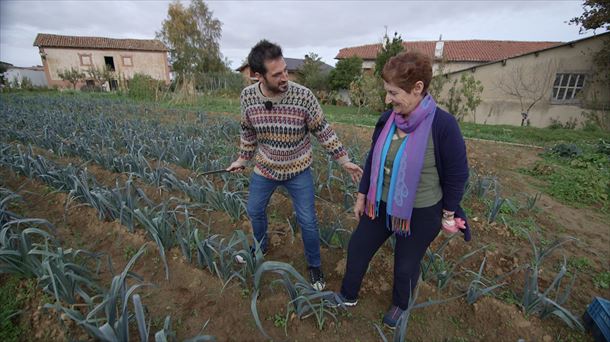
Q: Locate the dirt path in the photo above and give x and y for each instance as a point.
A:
(504, 161)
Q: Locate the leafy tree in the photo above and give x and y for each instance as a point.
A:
(471, 89)
(367, 91)
(345, 72)
(72, 75)
(453, 103)
(596, 14)
(463, 98)
(389, 49)
(192, 35)
(438, 80)
(311, 73)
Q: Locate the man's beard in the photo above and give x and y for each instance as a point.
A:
(280, 88)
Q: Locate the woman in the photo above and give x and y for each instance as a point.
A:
(412, 184)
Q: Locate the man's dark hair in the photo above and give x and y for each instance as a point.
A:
(261, 52)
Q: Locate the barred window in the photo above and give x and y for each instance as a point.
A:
(567, 86)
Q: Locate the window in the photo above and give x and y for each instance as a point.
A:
(85, 59)
(127, 61)
(567, 87)
(109, 61)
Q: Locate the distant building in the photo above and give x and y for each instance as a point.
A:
(454, 54)
(564, 78)
(292, 64)
(16, 75)
(124, 56)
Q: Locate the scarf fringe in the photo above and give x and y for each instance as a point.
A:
(370, 209)
(399, 226)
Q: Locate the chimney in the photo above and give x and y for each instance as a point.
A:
(438, 49)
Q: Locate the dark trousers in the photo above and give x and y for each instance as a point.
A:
(408, 253)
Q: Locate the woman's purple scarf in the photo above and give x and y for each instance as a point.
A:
(407, 165)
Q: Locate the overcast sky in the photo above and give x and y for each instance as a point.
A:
(299, 27)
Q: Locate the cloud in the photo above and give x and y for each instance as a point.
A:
(299, 27)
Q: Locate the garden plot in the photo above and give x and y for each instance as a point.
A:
(132, 143)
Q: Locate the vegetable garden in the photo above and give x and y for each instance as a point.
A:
(103, 208)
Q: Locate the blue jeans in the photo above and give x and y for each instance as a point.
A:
(301, 191)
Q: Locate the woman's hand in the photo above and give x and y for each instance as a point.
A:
(450, 223)
(359, 206)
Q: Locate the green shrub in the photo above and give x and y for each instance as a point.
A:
(143, 87)
(603, 147)
(566, 150)
(556, 124)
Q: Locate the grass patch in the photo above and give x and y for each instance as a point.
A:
(13, 298)
(210, 104)
(350, 115)
(529, 135)
(578, 181)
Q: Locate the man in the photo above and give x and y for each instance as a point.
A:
(277, 116)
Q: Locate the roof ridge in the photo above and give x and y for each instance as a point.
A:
(460, 40)
(97, 37)
(93, 42)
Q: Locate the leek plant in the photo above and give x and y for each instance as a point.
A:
(304, 300)
(436, 266)
(400, 333)
(217, 254)
(21, 250)
(109, 320)
(480, 286)
(7, 197)
(537, 301)
(66, 275)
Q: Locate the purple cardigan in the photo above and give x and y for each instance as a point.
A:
(450, 157)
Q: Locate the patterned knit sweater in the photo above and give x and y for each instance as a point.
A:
(278, 138)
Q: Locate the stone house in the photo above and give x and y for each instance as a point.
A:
(125, 57)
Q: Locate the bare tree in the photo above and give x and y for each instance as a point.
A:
(529, 84)
(72, 75)
(101, 75)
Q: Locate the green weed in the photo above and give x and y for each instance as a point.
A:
(581, 264)
(602, 280)
(13, 298)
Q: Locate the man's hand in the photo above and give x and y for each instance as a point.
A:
(237, 166)
(354, 170)
(359, 206)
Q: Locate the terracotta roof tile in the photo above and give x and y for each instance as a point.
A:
(53, 40)
(457, 50)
